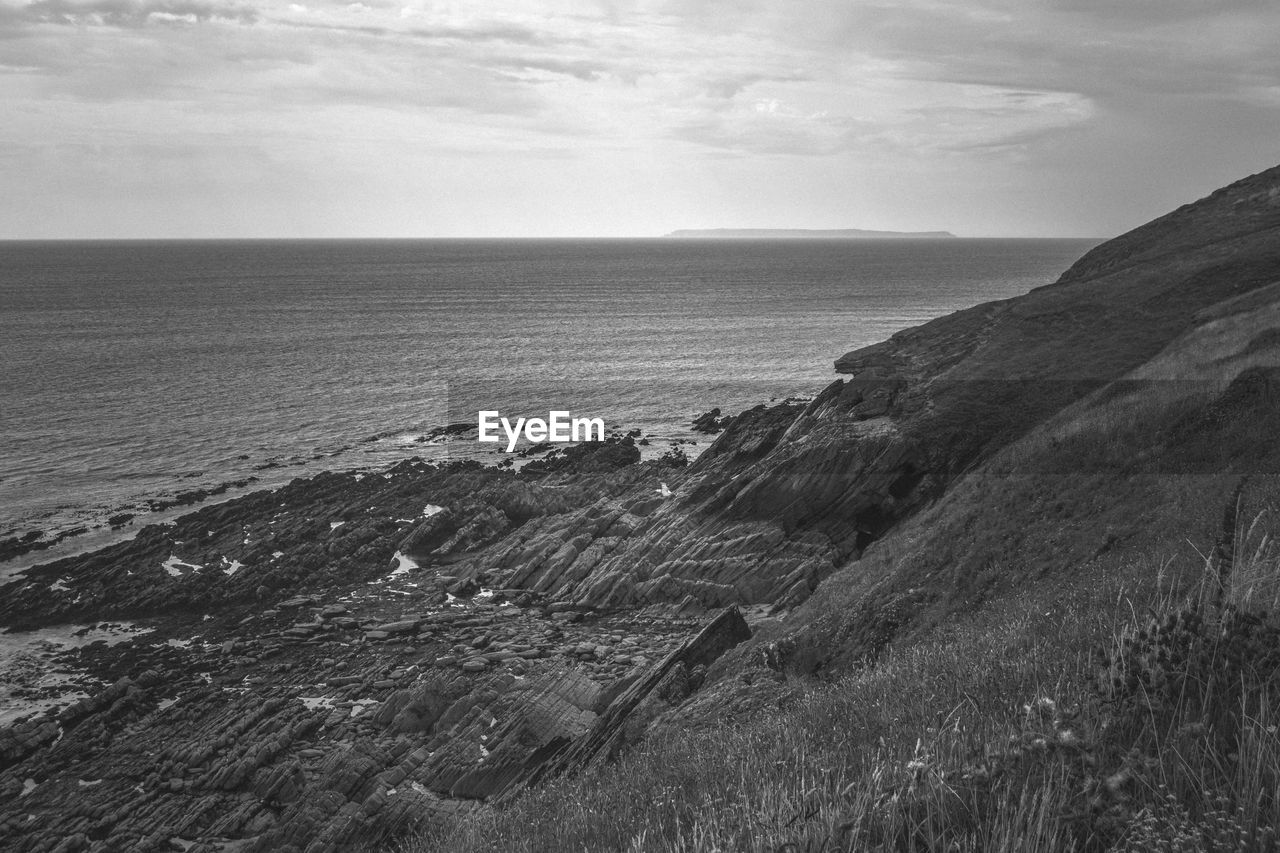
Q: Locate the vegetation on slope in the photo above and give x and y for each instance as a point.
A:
(1136, 469)
(1072, 724)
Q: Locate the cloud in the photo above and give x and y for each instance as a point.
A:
(1148, 12)
(582, 69)
(1097, 48)
(730, 86)
(683, 99)
(124, 13)
(768, 132)
(473, 34)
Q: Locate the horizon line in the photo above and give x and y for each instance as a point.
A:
(903, 237)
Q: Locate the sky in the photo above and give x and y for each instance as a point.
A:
(538, 118)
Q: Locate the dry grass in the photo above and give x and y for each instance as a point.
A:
(1131, 715)
(1083, 727)
(1112, 429)
(1255, 581)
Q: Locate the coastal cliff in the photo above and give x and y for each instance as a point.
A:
(354, 655)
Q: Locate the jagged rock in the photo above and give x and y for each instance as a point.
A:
(607, 734)
(430, 534)
(588, 457)
(405, 626)
(17, 742)
(710, 422)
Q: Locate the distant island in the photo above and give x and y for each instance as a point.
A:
(822, 233)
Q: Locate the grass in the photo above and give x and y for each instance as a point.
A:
(1085, 726)
(1113, 429)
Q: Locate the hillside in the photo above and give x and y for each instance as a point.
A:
(868, 621)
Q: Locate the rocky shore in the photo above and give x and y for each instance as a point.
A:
(336, 659)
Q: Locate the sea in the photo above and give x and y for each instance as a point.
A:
(136, 372)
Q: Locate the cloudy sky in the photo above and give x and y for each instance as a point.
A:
(215, 118)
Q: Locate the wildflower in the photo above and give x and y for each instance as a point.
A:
(1116, 781)
(1042, 708)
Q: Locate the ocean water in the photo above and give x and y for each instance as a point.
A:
(132, 371)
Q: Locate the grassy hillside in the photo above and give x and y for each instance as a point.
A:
(1053, 629)
(1054, 726)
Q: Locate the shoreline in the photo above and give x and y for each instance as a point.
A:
(164, 554)
(92, 535)
(326, 606)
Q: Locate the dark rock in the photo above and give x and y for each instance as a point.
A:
(586, 458)
(710, 422)
(607, 734)
(16, 546)
(405, 626)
